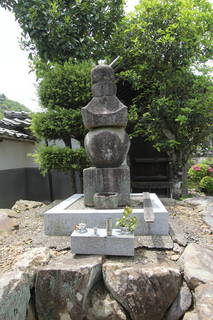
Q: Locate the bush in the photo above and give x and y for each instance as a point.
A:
(206, 183)
(64, 159)
(199, 171)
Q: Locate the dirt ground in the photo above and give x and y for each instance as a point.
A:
(29, 233)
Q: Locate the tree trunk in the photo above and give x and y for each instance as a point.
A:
(178, 175)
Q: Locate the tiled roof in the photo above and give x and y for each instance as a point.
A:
(16, 125)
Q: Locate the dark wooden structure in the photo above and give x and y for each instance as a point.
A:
(149, 169)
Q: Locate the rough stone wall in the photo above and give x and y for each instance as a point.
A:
(73, 287)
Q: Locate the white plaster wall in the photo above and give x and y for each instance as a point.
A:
(13, 155)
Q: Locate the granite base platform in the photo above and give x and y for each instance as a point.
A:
(61, 219)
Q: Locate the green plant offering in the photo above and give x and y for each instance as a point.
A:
(127, 221)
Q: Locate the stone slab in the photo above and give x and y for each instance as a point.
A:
(117, 244)
(61, 220)
(99, 180)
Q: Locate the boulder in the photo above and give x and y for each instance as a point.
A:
(62, 287)
(197, 264)
(23, 205)
(31, 313)
(29, 261)
(101, 305)
(7, 224)
(14, 295)
(181, 304)
(204, 301)
(138, 287)
(9, 212)
(191, 315)
(197, 201)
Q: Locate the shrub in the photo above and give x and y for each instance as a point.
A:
(198, 171)
(206, 183)
(65, 159)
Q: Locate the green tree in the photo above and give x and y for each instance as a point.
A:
(166, 43)
(56, 30)
(10, 105)
(62, 91)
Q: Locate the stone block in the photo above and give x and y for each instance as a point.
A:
(145, 290)
(62, 287)
(14, 295)
(197, 270)
(107, 147)
(104, 88)
(107, 200)
(105, 112)
(100, 180)
(102, 72)
(117, 244)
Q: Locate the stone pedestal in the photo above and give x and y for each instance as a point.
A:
(115, 245)
(61, 219)
(100, 180)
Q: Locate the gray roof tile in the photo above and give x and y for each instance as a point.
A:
(16, 125)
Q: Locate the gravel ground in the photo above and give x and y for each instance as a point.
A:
(186, 218)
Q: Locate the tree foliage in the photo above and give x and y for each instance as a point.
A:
(63, 90)
(66, 86)
(65, 159)
(166, 45)
(58, 124)
(56, 30)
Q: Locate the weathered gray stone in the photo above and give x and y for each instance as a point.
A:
(181, 304)
(116, 245)
(197, 201)
(31, 313)
(177, 248)
(204, 301)
(100, 180)
(145, 291)
(101, 306)
(23, 205)
(177, 233)
(107, 200)
(198, 265)
(9, 212)
(102, 73)
(154, 242)
(107, 147)
(104, 88)
(105, 111)
(191, 315)
(29, 261)
(14, 296)
(7, 224)
(63, 286)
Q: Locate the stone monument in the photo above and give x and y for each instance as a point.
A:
(106, 143)
(107, 183)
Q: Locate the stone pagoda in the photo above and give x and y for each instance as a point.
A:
(107, 142)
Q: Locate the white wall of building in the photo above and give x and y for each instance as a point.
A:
(14, 155)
